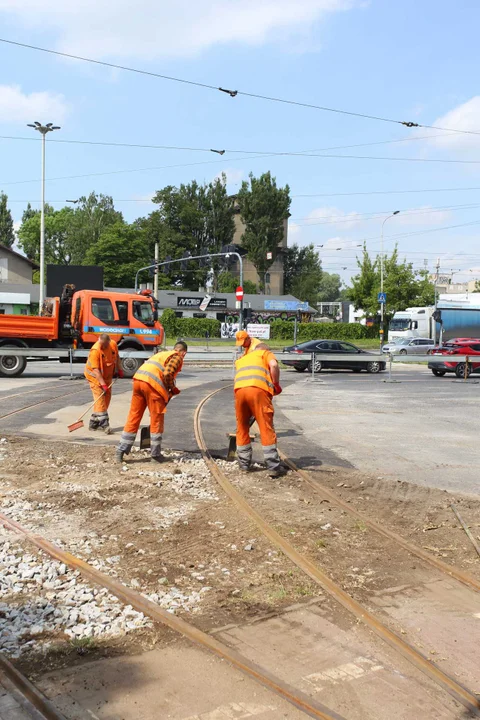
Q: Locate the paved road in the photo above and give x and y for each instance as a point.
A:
(421, 429)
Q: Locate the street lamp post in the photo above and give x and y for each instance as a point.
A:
(382, 260)
(43, 130)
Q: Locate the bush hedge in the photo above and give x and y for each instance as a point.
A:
(280, 329)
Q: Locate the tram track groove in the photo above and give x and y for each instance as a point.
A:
(295, 697)
(415, 657)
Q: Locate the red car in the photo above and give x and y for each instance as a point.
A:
(457, 346)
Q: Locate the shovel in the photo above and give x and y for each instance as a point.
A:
(79, 424)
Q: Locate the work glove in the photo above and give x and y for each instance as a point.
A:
(104, 387)
(120, 373)
(175, 391)
(277, 389)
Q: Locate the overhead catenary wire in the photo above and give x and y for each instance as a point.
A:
(235, 93)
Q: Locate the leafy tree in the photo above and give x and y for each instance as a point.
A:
(59, 235)
(29, 212)
(196, 219)
(302, 273)
(404, 287)
(121, 249)
(330, 286)
(264, 208)
(228, 283)
(92, 215)
(7, 233)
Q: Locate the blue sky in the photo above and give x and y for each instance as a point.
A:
(407, 61)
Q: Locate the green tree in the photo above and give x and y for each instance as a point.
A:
(264, 208)
(28, 213)
(121, 250)
(330, 288)
(93, 213)
(7, 233)
(302, 273)
(196, 219)
(404, 286)
(228, 283)
(59, 235)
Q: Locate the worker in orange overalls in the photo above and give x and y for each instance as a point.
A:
(102, 366)
(243, 339)
(257, 380)
(153, 387)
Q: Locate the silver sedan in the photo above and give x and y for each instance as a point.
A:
(410, 346)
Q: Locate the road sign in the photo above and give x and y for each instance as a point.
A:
(204, 303)
(269, 256)
(382, 298)
(239, 293)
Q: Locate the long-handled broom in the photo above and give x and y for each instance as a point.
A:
(79, 424)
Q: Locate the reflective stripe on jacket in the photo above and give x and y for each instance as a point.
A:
(104, 360)
(252, 370)
(152, 371)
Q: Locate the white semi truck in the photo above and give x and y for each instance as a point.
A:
(412, 322)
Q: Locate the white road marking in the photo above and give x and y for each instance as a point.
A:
(346, 672)
(233, 711)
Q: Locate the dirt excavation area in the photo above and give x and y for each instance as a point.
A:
(169, 532)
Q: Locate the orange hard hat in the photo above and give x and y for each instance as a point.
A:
(240, 337)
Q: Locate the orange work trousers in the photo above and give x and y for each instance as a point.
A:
(257, 403)
(102, 401)
(144, 395)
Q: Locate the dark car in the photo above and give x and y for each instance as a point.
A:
(332, 347)
(457, 346)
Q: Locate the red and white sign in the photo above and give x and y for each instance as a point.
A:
(239, 293)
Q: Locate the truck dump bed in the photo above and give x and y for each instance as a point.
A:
(30, 327)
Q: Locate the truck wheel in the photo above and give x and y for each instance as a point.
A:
(130, 365)
(11, 365)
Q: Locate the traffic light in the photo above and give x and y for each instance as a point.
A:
(437, 316)
(152, 270)
(184, 263)
(247, 315)
(166, 268)
(204, 261)
(231, 260)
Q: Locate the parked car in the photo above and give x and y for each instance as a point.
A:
(457, 346)
(333, 347)
(410, 346)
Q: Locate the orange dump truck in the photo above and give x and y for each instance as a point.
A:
(75, 320)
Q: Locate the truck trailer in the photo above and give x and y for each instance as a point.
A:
(75, 320)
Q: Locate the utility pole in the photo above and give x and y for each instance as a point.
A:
(382, 261)
(155, 276)
(43, 130)
(437, 273)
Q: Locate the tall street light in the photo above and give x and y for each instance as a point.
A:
(43, 130)
(382, 260)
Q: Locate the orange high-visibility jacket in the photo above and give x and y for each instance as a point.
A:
(152, 371)
(252, 370)
(104, 360)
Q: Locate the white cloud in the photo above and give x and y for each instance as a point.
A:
(463, 117)
(19, 107)
(423, 216)
(160, 28)
(334, 217)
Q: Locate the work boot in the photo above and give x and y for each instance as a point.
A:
(278, 472)
(159, 458)
(107, 429)
(119, 455)
(93, 424)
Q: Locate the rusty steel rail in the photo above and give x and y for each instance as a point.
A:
(438, 564)
(130, 597)
(29, 691)
(420, 661)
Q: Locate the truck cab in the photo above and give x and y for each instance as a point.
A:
(131, 320)
(412, 322)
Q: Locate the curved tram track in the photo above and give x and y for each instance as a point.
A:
(420, 661)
